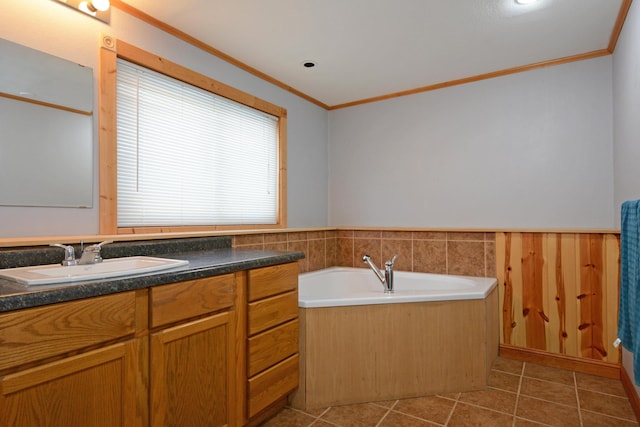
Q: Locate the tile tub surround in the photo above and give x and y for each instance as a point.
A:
(443, 252)
(519, 394)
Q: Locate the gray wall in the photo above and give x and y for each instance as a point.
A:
(626, 124)
(527, 150)
(626, 112)
(54, 28)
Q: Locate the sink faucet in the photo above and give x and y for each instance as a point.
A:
(91, 254)
(69, 254)
(387, 278)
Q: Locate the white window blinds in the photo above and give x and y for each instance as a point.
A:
(189, 157)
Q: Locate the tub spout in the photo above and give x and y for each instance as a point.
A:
(385, 278)
(388, 273)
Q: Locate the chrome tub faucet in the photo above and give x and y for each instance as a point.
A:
(385, 278)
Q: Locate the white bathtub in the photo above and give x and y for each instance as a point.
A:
(435, 334)
(344, 286)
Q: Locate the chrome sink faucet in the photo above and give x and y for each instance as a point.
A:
(69, 254)
(387, 278)
(91, 254)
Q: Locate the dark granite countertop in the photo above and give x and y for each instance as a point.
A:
(207, 260)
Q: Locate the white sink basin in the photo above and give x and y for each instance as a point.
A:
(56, 273)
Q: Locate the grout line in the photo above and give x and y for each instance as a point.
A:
(497, 411)
(353, 252)
(551, 401)
(601, 392)
(507, 372)
(484, 258)
(550, 381)
(617, 417)
(415, 417)
(515, 408)
(324, 412)
(412, 252)
(383, 417)
(455, 404)
(384, 407)
(500, 389)
(318, 418)
(538, 423)
(575, 388)
(325, 246)
(446, 256)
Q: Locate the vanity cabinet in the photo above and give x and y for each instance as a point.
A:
(272, 338)
(70, 364)
(216, 351)
(192, 353)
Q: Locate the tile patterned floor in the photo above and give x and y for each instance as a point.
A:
(519, 394)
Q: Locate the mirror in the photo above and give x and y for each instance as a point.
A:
(46, 118)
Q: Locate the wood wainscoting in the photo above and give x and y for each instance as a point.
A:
(559, 292)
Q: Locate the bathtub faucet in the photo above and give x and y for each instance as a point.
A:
(387, 277)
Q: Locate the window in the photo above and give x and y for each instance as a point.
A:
(184, 152)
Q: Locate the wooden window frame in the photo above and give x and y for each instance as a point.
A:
(110, 51)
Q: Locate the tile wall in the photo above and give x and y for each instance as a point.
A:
(443, 252)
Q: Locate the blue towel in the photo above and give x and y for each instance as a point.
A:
(629, 309)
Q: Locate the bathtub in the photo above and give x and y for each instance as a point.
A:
(342, 286)
(435, 334)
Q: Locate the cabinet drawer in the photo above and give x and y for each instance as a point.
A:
(270, 347)
(272, 384)
(179, 301)
(267, 281)
(273, 311)
(37, 333)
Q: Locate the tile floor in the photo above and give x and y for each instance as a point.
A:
(519, 394)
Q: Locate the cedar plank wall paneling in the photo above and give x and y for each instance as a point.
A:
(559, 292)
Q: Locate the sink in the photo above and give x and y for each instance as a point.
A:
(115, 267)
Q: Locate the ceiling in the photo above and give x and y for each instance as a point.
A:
(366, 49)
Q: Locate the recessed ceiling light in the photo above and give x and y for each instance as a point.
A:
(526, 1)
(309, 64)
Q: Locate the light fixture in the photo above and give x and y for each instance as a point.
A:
(309, 63)
(101, 5)
(99, 9)
(526, 1)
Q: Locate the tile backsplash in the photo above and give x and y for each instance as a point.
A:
(319, 247)
(444, 252)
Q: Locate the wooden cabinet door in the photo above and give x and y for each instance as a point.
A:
(191, 373)
(97, 388)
